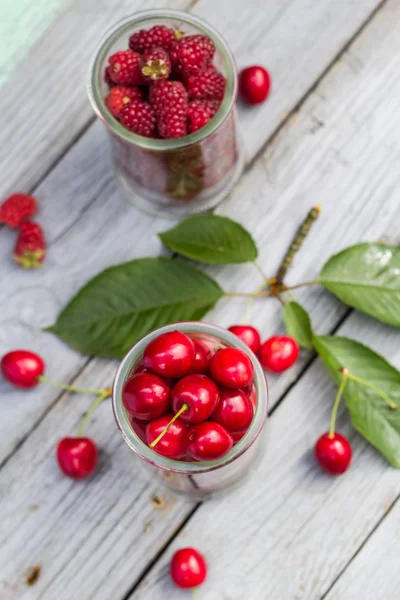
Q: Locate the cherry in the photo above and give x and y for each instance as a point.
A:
(146, 396)
(231, 367)
(234, 411)
(208, 441)
(279, 353)
(201, 358)
(333, 452)
(249, 335)
(254, 84)
(77, 457)
(22, 368)
(199, 393)
(170, 355)
(188, 568)
(174, 442)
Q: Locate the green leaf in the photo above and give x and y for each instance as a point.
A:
(298, 324)
(367, 277)
(370, 414)
(211, 239)
(124, 303)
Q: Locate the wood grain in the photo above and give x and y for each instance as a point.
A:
(349, 163)
(49, 123)
(376, 566)
(289, 532)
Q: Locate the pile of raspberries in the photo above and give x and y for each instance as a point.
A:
(16, 212)
(164, 86)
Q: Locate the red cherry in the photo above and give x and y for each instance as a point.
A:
(22, 368)
(232, 368)
(170, 355)
(237, 435)
(279, 353)
(254, 84)
(201, 358)
(333, 453)
(234, 411)
(188, 568)
(208, 441)
(175, 441)
(249, 335)
(77, 457)
(201, 395)
(146, 396)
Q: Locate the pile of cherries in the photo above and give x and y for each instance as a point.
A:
(188, 401)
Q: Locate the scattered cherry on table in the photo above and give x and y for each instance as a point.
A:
(333, 452)
(188, 568)
(278, 353)
(254, 84)
(22, 368)
(249, 335)
(77, 457)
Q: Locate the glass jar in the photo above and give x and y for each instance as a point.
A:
(201, 479)
(176, 176)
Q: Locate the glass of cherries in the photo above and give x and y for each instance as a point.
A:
(190, 400)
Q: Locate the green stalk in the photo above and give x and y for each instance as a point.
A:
(91, 410)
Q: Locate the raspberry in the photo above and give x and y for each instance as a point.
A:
(190, 54)
(125, 67)
(155, 64)
(30, 249)
(121, 95)
(16, 209)
(138, 116)
(200, 112)
(158, 36)
(206, 85)
(169, 100)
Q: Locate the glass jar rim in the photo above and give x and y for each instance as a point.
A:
(177, 466)
(101, 52)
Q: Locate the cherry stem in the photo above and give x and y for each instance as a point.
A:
(375, 388)
(297, 242)
(337, 402)
(174, 418)
(269, 292)
(103, 394)
(196, 594)
(248, 307)
(260, 270)
(71, 388)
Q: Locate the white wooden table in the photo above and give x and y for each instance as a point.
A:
(329, 134)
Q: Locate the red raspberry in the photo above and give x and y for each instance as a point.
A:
(190, 54)
(155, 65)
(159, 35)
(169, 100)
(16, 209)
(200, 112)
(125, 67)
(30, 249)
(138, 116)
(206, 85)
(121, 95)
(107, 77)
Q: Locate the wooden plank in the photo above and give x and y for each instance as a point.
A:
(376, 566)
(299, 527)
(292, 429)
(90, 537)
(42, 128)
(81, 207)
